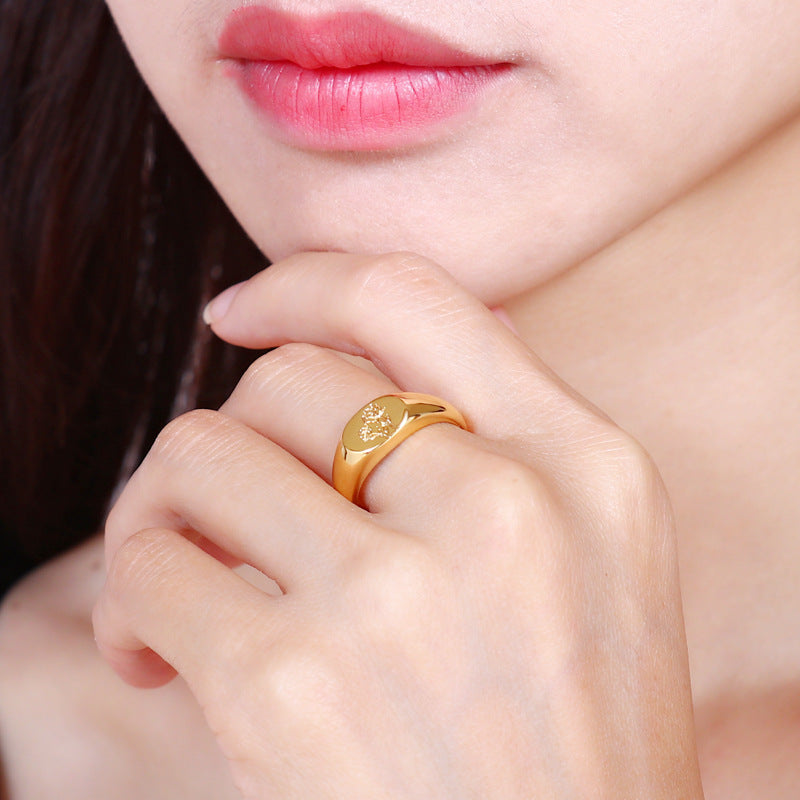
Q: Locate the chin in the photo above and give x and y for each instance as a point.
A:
(492, 279)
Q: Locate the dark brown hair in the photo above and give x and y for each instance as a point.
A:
(111, 239)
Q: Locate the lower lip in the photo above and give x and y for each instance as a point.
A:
(375, 107)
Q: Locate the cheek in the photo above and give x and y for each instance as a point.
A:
(166, 40)
(675, 89)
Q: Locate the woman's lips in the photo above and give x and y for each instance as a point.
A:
(372, 107)
(351, 81)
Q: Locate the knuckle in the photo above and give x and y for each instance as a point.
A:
(380, 277)
(510, 504)
(629, 493)
(134, 562)
(298, 682)
(626, 467)
(280, 366)
(288, 355)
(185, 442)
(182, 435)
(393, 586)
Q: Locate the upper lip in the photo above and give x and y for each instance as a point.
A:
(343, 41)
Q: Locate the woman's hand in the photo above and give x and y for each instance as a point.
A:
(504, 619)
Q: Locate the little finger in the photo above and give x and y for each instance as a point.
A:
(167, 597)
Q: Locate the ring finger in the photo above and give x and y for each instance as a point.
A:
(301, 396)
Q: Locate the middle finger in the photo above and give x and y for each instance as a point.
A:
(300, 396)
(212, 475)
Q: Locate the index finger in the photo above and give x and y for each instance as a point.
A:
(415, 323)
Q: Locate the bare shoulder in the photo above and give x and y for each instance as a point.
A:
(42, 659)
(69, 728)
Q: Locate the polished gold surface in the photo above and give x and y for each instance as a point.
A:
(378, 428)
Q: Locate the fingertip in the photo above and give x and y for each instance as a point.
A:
(219, 307)
(141, 669)
(135, 664)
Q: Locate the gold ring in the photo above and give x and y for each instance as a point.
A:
(378, 428)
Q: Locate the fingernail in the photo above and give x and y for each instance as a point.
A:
(221, 304)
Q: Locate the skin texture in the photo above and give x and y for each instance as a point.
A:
(512, 625)
(418, 622)
(613, 110)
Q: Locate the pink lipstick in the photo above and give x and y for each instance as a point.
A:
(350, 81)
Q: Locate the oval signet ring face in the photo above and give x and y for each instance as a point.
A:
(374, 424)
(374, 431)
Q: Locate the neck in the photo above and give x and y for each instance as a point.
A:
(686, 332)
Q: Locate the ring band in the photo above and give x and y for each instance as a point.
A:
(373, 432)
